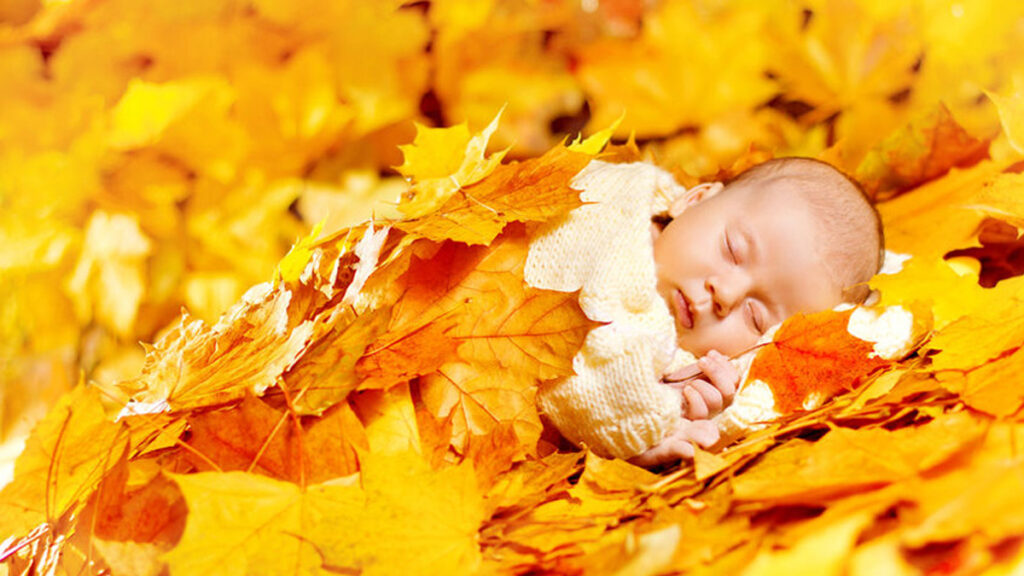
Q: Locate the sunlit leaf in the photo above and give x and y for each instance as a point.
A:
(811, 358)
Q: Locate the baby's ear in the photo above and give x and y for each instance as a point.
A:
(692, 196)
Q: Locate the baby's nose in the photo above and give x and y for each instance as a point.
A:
(726, 293)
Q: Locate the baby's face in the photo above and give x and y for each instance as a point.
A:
(740, 262)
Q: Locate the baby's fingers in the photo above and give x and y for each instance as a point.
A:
(705, 433)
(721, 373)
(695, 407)
(713, 399)
(679, 448)
(685, 373)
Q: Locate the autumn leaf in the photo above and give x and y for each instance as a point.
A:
(994, 330)
(479, 400)
(821, 552)
(509, 336)
(416, 353)
(1000, 198)
(134, 524)
(811, 358)
(391, 422)
(531, 191)
(990, 387)
(968, 500)
(267, 526)
(847, 460)
(925, 149)
(295, 261)
(442, 161)
(325, 373)
(109, 279)
(65, 458)
(642, 77)
(198, 365)
(939, 216)
(253, 437)
(1011, 111)
(135, 124)
(256, 520)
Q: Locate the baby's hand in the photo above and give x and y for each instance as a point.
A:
(707, 386)
(679, 444)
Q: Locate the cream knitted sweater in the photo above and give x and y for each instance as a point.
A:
(615, 403)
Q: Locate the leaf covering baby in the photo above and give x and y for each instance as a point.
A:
(678, 299)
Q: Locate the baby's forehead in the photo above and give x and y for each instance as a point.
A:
(771, 195)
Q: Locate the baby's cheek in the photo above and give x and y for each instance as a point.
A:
(731, 336)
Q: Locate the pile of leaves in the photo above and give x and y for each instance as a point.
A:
(370, 409)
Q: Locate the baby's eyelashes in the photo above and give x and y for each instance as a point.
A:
(730, 249)
(756, 316)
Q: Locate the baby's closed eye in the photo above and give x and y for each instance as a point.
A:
(757, 315)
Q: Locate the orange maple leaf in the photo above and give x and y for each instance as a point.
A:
(507, 335)
(403, 357)
(257, 438)
(153, 512)
(813, 356)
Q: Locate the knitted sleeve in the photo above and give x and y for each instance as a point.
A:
(615, 403)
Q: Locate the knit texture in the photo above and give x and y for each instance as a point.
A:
(614, 404)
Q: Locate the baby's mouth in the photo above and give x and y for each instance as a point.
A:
(683, 310)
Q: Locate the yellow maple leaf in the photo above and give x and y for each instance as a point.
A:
(977, 500)
(442, 161)
(992, 326)
(1010, 104)
(294, 262)
(992, 387)
(845, 54)
(844, 460)
(1001, 198)
(65, 458)
(596, 142)
(938, 216)
(256, 521)
(265, 526)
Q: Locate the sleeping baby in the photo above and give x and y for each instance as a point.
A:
(684, 280)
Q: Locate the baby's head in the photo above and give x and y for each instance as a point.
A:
(788, 236)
